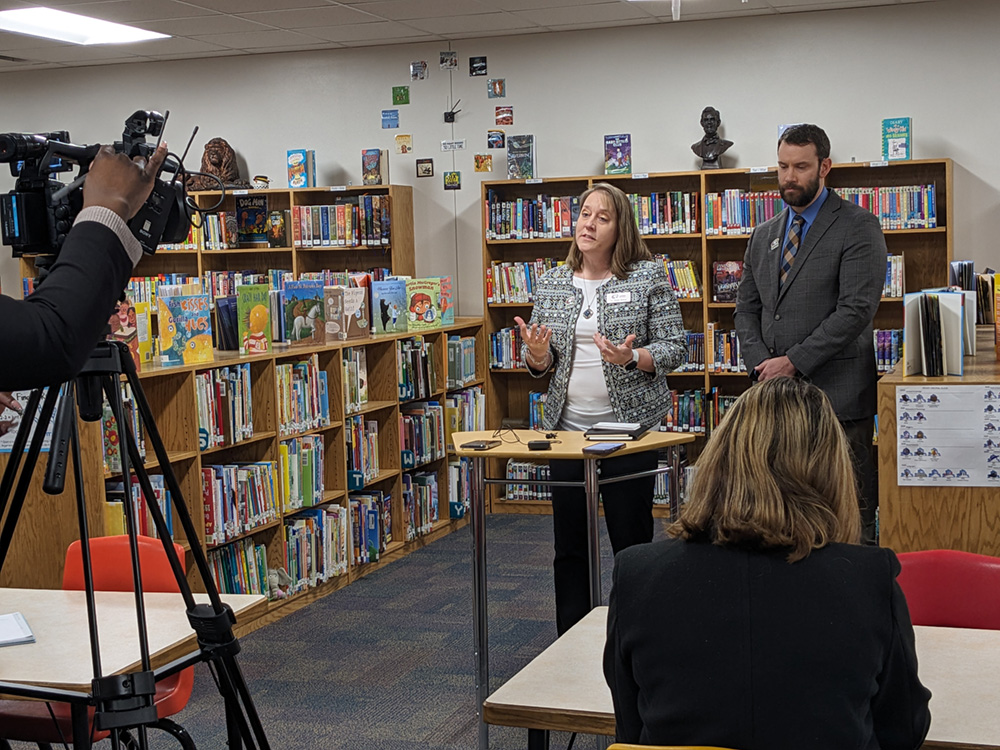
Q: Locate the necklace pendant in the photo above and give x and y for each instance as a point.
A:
(587, 313)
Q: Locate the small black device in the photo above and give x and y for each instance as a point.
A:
(480, 445)
(601, 449)
(539, 445)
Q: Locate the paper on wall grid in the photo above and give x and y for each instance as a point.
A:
(948, 435)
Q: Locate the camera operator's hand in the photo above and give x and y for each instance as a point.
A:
(119, 183)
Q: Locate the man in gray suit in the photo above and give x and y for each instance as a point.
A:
(812, 281)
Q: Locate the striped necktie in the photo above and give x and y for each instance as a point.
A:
(791, 247)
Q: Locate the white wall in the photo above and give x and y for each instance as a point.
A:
(845, 70)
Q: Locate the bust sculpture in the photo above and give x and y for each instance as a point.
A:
(710, 147)
(219, 159)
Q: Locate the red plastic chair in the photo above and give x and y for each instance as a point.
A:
(948, 588)
(111, 561)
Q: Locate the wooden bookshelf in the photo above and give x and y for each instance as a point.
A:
(926, 252)
(171, 392)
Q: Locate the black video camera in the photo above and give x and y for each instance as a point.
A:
(39, 212)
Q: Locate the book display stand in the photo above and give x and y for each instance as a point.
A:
(124, 702)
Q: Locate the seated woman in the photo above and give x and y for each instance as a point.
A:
(763, 625)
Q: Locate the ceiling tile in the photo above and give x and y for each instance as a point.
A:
(366, 32)
(310, 17)
(175, 45)
(604, 12)
(405, 10)
(249, 6)
(257, 39)
(462, 24)
(214, 24)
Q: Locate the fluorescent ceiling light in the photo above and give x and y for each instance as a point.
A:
(70, 27)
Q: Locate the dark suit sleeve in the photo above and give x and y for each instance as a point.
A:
(862, 277)
(618, 669)
(47, 337)
(748, 312)
(899, 708)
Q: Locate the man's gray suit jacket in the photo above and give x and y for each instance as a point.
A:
(821, 318)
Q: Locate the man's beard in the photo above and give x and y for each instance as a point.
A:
(800, 195)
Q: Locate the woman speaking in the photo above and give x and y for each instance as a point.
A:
(608, 327)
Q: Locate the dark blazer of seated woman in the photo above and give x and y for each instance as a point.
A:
(761, 624)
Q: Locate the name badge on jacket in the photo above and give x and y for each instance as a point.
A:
(774, 243)
(614, 297)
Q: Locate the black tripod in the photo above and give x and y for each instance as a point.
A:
(124, 702)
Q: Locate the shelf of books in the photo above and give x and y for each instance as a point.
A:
(698, 223)
(312, 440)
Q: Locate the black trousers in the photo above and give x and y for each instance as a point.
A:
(859, 436)
(628, 513)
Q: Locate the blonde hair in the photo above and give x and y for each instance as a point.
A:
(629, 245)
(776, 473)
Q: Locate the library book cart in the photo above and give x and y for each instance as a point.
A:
(696, 221)
(356, 450)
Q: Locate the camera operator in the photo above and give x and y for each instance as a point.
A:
(47, 337)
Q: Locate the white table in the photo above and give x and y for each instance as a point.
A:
(563, 688)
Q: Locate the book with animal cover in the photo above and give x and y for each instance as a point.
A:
(618, 154)
(301, 168)
(185, 322)
(521, 157)
(251, 219)
(726, 275)
(357, 318)
(896, 134)
(278, 223)
(374, 167)
(422, 304)
(389, 306)
(616, 431)
(445, 303)
(302, 303)
(253, 314)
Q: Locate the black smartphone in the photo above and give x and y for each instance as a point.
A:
(480, 445)
(602, 449)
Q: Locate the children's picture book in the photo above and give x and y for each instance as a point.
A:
(130, 325)
(302, 301)
(504, 115)
(333, 299)
(374, 167)
(418, 70)
(357, 320)
(425, 167)
(452, 180)
(277, 229)
(726, 275)
(521, 157)
(896, 133)
(483, 162)
(184, 317)
(618, 154)
(423, 300)
(400, 95)
(477, 66)
(445, 303)
(448, 60)
(390, 119)
(496, 88)
(251, 219)
(389, 306)
(495, 139)
(227, 337)
(301, 168)
(253, 318)
(404, 143)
